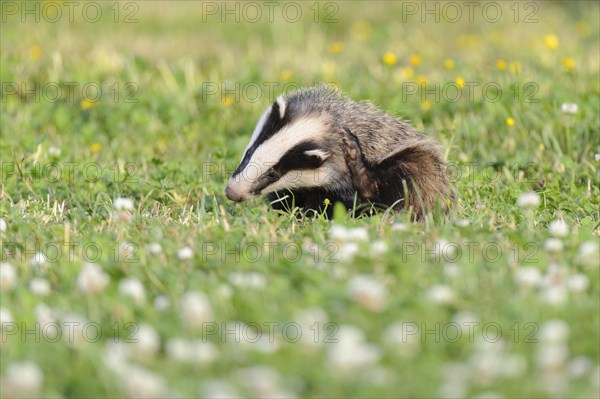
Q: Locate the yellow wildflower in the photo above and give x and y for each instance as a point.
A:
(422, 80)
(501, 64)
(406, 72)
(510, 121)
(86, 104)
(551, 41)
(227, 101)
(286, 74)
(35, 52)
(390, 58)
(96, 148)
(426, 105)
(336, 47)
(515, 67)
(460, 82)
(569, 63)
(414, 59)
(448, 63)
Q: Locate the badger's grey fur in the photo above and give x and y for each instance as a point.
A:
(317, 144)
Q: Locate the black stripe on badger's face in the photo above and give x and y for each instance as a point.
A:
(304, 156)
(272, 121)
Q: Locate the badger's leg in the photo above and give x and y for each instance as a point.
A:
(363, 178)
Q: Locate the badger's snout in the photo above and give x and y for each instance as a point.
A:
(233, 193)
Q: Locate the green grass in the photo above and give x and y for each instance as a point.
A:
(172, 148)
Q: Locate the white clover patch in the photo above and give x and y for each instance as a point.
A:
(529, 200)
(92, 279)
(368, 292)
(132, 288)
(8, 276)
(558, 228)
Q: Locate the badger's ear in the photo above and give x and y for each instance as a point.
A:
(317, 154)
(279, 107)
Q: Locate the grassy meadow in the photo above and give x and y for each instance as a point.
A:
(126, 272)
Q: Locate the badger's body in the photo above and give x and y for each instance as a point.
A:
(316, 144)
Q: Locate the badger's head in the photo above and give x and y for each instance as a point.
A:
(292, 147)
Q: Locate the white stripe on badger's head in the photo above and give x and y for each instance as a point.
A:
(292, 156)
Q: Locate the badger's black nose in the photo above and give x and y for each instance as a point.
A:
(232, 194)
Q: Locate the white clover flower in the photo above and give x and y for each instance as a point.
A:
(529, 200)
(404, 338)
(358, 234)
(185, 253)
(38, 260)
(579, 366)
(351, 352)
(452, 270)
(123, 204)
(341, 233)
(514, 366)
(555, 295)
(578, 282)
(338, 233)
(367, 292)
(39, 286)
(569, 108)
(248, 280)
(44, 315)
(5, 317)
(141, 383)
(262, 382)
(589, 254)
(465, 319)
(8, 276)
(133, 288)
(23, 378)
(92, 279)
(3, 225)
(154, 248)
(188, 351)
(127, 250)
(528, 277)
(463, 223)
(558, 228)
(161, 302)
(148, 341)
(217, 389)
(115, 357)
(555, 331)
(312, 322)
(54, 151)
(399, 227)
(551, 356)
(379, 247)
(347, 251)
(440, 294)
(553, 245)
(195, 308)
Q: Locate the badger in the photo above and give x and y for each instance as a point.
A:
(314, 147)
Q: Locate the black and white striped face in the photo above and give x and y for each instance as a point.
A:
(286, 151)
